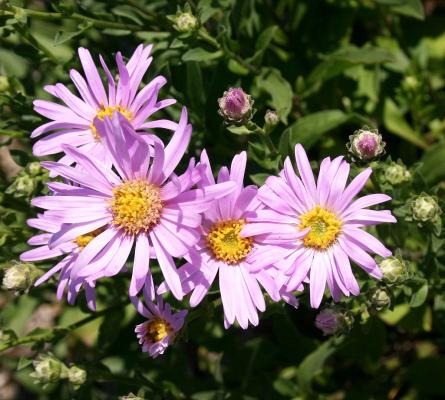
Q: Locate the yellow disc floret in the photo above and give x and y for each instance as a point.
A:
(108, 112)
(83, 240)
(225, 242)
(325, 228)
(136, 206)
(157, 329)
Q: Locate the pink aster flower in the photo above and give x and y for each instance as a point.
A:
(72, 122)
(68, 249)
(221, 250)
(333, 220)
(139, 203)
(161, 327)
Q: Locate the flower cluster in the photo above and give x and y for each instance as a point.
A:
(118, 198)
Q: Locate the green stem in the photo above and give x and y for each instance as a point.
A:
(57, 332)
(204, 35)
(50, 16)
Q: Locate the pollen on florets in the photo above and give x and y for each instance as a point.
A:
(225, 242)
(136, 206)
(157, 329)
(324, 228)
(82, 241)
(108, 112)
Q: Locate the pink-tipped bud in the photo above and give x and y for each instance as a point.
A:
(333, 321)
(235, 106)
(366, 144)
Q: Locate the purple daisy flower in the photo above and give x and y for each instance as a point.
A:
(161, 327)
(69, 249)
(331, 220)
(142, 205)
(222, 250)
(73, 123)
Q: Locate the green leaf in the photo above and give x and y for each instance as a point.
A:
(395, 122)
(272, 82)
(433, 167)
(239, 130)
(312, 365)
(235, 67)
(62, 36)
(195, 85)
(310, 128)
(199, 54)
(345, 58)
(259, 179)
(263, 42)
(396, 315)
(419, 297)
(410, 8)
(20, 157)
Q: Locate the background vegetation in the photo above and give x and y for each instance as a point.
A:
(327, 67)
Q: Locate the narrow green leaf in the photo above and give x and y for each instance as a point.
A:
(310, 128)
(410, 8)
(433, 167)
(272, 82)
(419, 297)
(395, 122)
(199, 54)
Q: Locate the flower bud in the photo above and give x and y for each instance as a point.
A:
(393, 270)
(4, 83)
(34, 168)
(76, 375)
(20, 276)
(130, 396)
(366, 144)
(380, 299)
(271, 119)
(332, 321)
(23, 186)
(47, 369)
(235, 106)
(395, 174)
(185, 22)
(425, 208)
(410, 82)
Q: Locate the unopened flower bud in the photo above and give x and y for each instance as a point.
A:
(395, 174)
(23, 186)
(47, 369)
(185, 22)
(130, 396)
(332, 321)
(411, 82)
(20, 276)
(425, 208)
(235, 106)
(366, 144)
(4, 83)
(380, 299)
(271, 118)
(76, 375)
(34, 168)
(393, 270)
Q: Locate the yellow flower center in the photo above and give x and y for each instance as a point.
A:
(157, 329)
(83, 240)
(325, 228)
(108, 111)
(136, 206)
(225, 242)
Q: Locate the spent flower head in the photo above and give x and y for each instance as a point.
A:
(48, 369)
(235, 106)
(380, 298)
(425, 208)
(397, 173)
(366, 144)
(20, 276)
(76, 375)
(393, 269)
(334, 321)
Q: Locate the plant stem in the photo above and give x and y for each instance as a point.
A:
(51, 16)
